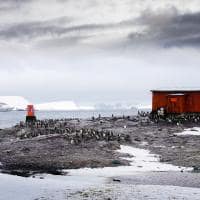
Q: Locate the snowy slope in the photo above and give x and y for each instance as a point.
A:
(15, 102)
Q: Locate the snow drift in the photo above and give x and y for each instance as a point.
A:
(190, 131)
(141, 161)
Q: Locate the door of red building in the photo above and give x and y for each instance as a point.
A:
(176, 103)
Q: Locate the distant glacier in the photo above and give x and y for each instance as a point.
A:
(9, 103)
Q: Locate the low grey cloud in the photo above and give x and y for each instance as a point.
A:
(33, 29)
(54, 28)
(169, 29)
(61, 42)
(15, 1)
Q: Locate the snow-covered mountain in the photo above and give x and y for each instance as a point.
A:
(14, 102)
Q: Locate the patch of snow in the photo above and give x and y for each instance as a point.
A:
(74, 187)
(15, 102)
(190, 131)
(142, 161)
(53, 187)
(159, 146)
(144, 143)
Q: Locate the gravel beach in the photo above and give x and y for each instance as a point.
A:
(77, 143)
(75, 150)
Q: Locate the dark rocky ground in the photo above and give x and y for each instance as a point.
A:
(52, 145)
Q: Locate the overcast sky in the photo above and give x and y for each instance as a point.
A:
(93, 51)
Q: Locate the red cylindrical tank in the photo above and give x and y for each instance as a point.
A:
(30, 114)
(30, 111)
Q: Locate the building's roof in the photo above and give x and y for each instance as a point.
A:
(177, 90)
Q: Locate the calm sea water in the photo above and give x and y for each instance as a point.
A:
(8, 119)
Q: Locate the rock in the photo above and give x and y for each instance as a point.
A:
(116, 162)
(137, 139)
(196, 168)
(116, 180)
(25, 149)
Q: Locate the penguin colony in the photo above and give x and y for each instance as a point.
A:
(176, 118)
(77, 135)
(72, 134)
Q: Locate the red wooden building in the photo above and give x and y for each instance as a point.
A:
(176, 101)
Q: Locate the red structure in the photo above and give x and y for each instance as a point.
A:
(176, 101)
(30, 116)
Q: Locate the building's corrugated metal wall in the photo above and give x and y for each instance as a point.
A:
(179, 102)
